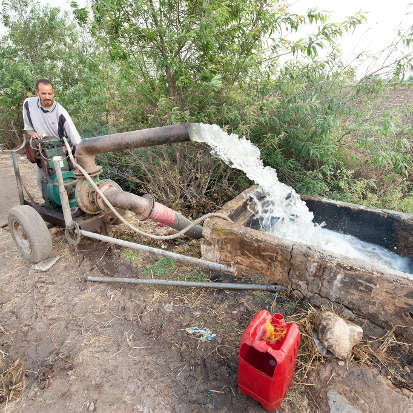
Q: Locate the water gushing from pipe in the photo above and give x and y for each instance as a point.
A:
(280, 209)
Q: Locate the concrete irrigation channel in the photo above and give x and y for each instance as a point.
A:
(382, 296)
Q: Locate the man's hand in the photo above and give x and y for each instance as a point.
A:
(34, 134)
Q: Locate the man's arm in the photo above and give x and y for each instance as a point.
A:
(70, 129)
(28, 124)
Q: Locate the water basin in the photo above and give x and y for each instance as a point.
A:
(382, 294)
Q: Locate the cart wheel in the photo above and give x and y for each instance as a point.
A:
(30, 233)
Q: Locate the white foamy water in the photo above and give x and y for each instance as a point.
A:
(280, 210)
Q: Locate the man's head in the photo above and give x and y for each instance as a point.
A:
(44, 90)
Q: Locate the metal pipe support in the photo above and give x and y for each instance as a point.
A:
(62, 193)
(224, 286)
(178, 257)
(18, 177)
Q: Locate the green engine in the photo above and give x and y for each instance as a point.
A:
(50, 190)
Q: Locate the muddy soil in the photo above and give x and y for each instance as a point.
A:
(121, 348)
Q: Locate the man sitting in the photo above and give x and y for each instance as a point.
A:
(43, 116)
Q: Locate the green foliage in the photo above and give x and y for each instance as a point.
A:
(42, 42)
(160, 268)
(194, 276)
(138, 64)
(186, 59)
(391, 191)
(377, 143)
(298, 123)
(133, 256)
(386, 138)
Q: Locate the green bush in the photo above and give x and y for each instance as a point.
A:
(138, 65)
(298, 123)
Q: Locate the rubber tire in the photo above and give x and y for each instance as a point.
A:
(26, 221)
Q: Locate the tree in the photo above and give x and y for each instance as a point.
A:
(42, 42)
(192, 51)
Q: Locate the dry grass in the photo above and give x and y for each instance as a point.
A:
(377, 353)
(12, 379)
(308, 356)
(180, 245)
(371, 353)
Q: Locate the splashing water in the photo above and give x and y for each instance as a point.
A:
(280, 209)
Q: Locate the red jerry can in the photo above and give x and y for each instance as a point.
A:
(265, 369)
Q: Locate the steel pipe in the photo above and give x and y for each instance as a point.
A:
(125, 200)
(178, 257)
(62, 193)
(231, 286)
(17, 175)
(88, 148)
(180, 222)
(148, 208)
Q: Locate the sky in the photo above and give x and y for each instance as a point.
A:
(384, 18)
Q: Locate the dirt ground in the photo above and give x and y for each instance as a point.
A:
(123, 348)
(8, 192)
